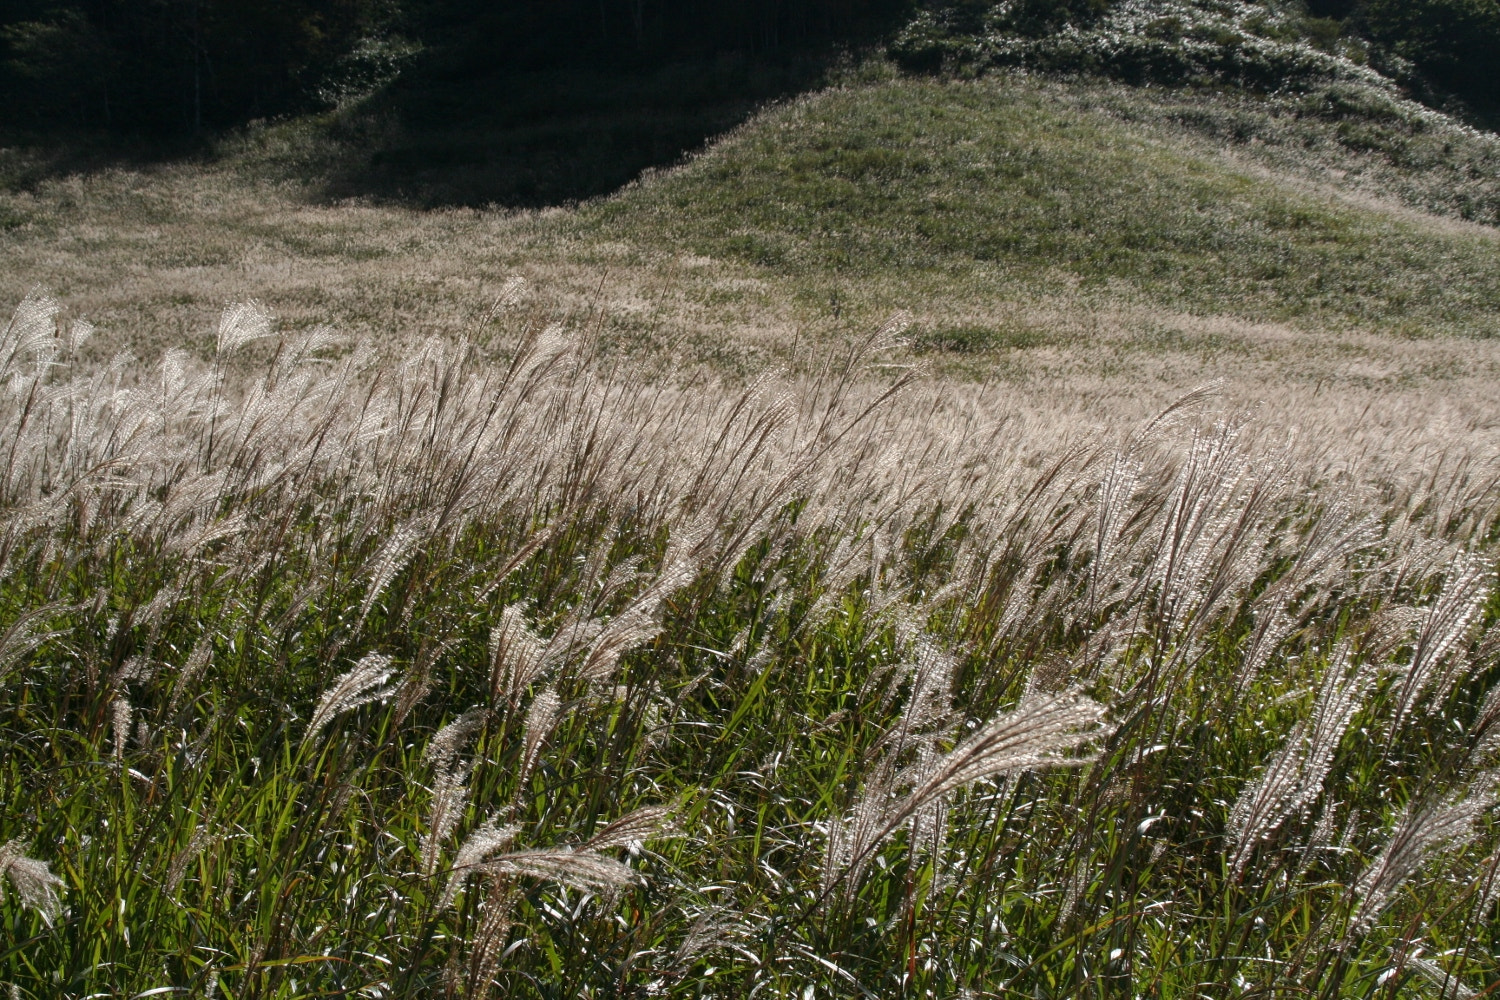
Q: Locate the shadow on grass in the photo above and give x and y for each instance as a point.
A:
(545, 138)
(29, 158)
(442, 136)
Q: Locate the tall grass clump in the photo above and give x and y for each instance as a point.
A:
(459, 674)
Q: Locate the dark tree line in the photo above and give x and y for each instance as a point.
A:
(635, 31)
(164, 66)
(184, 66)
(1455, 44)
(170, 65)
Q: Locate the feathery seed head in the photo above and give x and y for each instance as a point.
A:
(580, 868)
(449, 740)
(517, 655)
(120, 716)
(32, 880)
(540, 719)
(632, 829)
(490, 838)
(240, 324)
(350, 690)
(1421, 830)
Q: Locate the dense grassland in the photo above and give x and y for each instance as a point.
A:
(976, 192)
(426, 676)
(525, 632)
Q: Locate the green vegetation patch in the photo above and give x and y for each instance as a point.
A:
(975, 339)
(994, 187)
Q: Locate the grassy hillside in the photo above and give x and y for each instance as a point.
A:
(1005, 215)
(958, 193)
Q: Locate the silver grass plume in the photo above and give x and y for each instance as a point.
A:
(1074, 885)
(450, 794)
(1450, 987)
(1390, 629)
(192, 668)
(449, 740)
(1488, 884)
(490, 838)
(489, 940)
(30, 331)
(632, 829)
(927, 720)
(1486, 728)
(120, 715)
(135, 670)
(516, 655)
(1448, 623)
(1032, 735)
(239, 324)
(1420, 831)
(22, 636)
(350, 690)
(1273, 626)
(177, 870)
(389, 560)
(717, 929)
(635, 625)
(1116, 491)
(1294, 777)
(80, 332)
(580, 866)
(853, 839)
(577, 867)
(32, 880)
(540, 720)
(510, 293)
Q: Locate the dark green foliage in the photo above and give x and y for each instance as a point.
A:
(545, 34)
(176, 66)
(1436, 48)
(1455, 43)
(162, 66)
(1171, 42)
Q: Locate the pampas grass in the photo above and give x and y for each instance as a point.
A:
(465, 673)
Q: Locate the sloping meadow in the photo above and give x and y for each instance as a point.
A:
(438, 674)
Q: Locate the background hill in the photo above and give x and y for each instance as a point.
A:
(1033, 229)
(536, 102)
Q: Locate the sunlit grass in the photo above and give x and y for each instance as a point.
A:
(337, 680)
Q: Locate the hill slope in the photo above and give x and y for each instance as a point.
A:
(1029, 227)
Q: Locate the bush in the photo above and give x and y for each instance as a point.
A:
(1173, 42)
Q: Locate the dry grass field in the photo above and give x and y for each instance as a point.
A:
(1036, 233)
